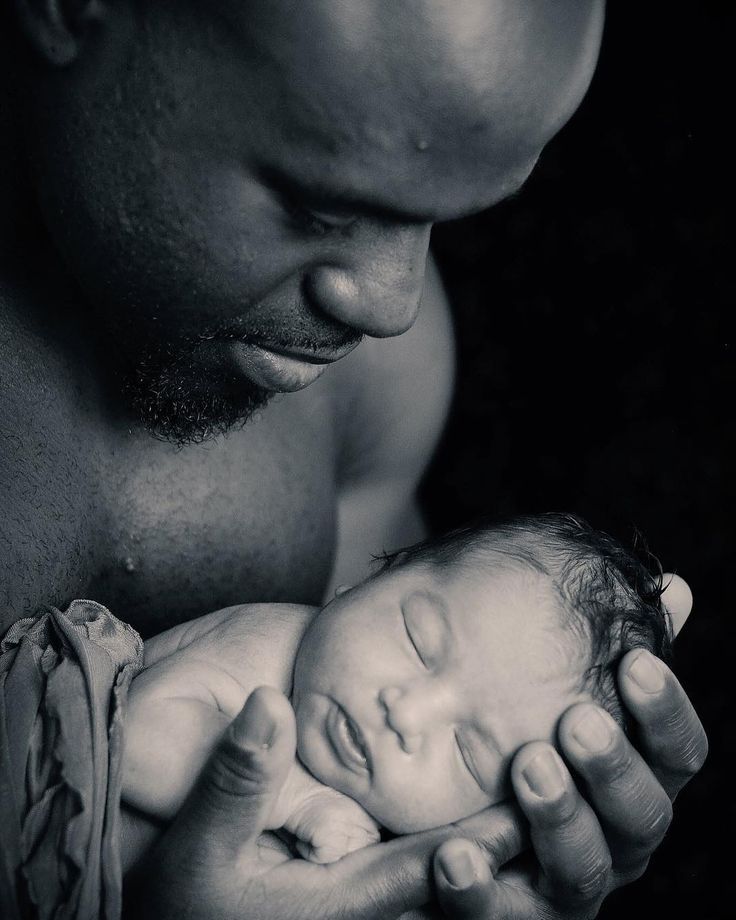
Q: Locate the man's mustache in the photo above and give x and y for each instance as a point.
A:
(321, 338)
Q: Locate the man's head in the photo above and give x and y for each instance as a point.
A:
(414, 690)
(232, 175)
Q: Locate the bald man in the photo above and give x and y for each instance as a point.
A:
(226, 361)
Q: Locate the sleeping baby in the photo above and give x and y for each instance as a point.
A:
(413, 690)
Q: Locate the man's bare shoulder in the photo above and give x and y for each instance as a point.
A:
(44, 486)
(395, 394)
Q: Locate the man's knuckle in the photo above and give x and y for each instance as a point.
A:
(558, 814)
(617, 767)
(234, 770)
(631, 872)
(594, 880)
(655, 832)
(651, 827)
(694, 756)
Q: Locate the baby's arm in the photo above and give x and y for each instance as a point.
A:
(199, 679)
(327, 824)
(168, 738)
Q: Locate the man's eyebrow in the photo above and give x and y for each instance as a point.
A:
(320, 196)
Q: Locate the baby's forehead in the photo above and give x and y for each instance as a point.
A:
(496, 576)
(500, 593)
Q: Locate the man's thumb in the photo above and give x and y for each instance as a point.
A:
(239, 785)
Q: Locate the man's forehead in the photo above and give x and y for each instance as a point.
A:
(477, 58)
(420, 83)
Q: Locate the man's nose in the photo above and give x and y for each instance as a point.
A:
(413, 711)
(374, 285)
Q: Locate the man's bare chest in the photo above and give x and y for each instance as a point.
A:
(250, 517)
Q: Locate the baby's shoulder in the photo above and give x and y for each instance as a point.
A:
(230, 652)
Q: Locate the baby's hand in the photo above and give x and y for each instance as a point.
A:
(327, 824)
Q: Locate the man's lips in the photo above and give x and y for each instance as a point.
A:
(312, 355)
(347, 740)
(281, 371)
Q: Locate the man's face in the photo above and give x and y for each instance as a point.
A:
(414, 690)
(246, 189)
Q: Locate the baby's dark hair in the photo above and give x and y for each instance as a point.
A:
(610, 596)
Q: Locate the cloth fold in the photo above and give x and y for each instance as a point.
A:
(64, 679)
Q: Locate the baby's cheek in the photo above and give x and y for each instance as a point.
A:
(422, 799)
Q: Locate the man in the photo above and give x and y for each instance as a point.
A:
(207, 205)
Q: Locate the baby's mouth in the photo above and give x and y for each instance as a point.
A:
(347, 740)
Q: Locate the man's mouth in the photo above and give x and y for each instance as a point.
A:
(347, 740)
(311, 355)
(280, 370)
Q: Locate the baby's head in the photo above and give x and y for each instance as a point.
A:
(414, 689)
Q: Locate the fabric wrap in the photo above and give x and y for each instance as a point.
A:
(64, 679)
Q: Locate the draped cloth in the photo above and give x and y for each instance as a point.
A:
(64, 679)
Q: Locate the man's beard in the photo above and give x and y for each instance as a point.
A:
(183, 401)
(184, 391)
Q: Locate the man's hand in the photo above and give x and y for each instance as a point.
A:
(212, 863)
(585, 849)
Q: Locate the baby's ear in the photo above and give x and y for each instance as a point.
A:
(678, 600)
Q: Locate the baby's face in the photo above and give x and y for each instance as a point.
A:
(413, 691)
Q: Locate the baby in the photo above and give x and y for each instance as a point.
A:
(413, 690)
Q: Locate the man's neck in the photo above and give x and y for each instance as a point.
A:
(20, 227)
(14, 185)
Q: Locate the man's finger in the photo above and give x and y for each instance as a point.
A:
(500, 831)
(629, 801)
(391, 878)
(671, 736)
(567, 837)
(233, 798)
(463, 882)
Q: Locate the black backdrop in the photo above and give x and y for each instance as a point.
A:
(596, 369)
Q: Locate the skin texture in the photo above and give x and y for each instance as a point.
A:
(148, 221)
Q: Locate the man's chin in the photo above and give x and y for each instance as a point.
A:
(182, 408)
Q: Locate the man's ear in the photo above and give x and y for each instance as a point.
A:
(678, 599)
(57, 28)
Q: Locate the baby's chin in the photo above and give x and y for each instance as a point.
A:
(391, 818)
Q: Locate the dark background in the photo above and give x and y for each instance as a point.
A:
(596, 370)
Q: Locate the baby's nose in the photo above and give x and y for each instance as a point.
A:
(404, 717)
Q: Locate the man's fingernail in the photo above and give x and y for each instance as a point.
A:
(458, 868)
(646, 672)
(593, 731)
(544, 776)
(255, 726)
